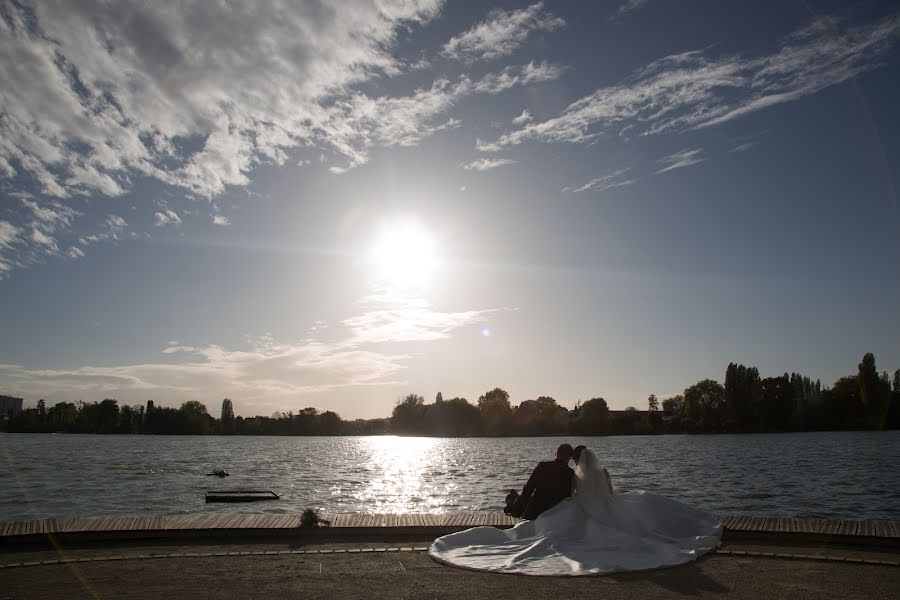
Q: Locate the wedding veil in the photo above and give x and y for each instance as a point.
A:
(592, 484)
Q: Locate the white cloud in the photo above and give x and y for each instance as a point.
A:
(742, 147)
(275, 374)
(525, 117)
(397, 317)
(8, 233)
(602, 183)
(627, 7)
(500, 34)
(96, 96)
(485, 164)
(359, 122)
(38, 237)
(113, 228)
(221, 220)
(681, 159)
(94, 93)
(166, 217)
(267, 373)
(694, 90)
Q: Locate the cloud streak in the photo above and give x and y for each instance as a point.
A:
(680, 159)
(609, 181)
(627, 7)
(486, 164)
(694, 90)
(500, 34)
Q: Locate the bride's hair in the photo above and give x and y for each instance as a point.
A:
(576, 453)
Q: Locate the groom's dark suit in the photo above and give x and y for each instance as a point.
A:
(550, 482)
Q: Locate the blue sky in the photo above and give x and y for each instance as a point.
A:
(302, 204)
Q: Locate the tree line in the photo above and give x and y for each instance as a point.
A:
(745, 403)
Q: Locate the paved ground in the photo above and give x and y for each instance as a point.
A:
(411, 574)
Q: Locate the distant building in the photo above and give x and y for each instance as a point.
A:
(9, 404)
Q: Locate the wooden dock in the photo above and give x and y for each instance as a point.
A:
(134, 527)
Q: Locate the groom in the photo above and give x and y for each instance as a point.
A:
(550, 482)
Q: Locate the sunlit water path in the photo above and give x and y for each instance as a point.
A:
(847, 474)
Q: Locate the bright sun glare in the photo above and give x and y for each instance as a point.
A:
(403, 253)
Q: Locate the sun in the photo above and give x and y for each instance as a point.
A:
(404, 253)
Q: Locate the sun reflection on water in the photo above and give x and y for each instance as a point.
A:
(399, 468)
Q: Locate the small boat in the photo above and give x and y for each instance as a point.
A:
(240, 495)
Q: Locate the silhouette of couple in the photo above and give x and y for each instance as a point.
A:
(550, 482)
(576, 525)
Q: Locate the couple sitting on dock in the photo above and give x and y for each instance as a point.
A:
(550, 482)
(574, 524)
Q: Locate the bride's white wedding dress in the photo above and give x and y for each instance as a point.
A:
(592, 533)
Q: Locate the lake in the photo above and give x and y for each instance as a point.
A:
(834, 474)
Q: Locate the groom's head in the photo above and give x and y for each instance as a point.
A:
(564, 452)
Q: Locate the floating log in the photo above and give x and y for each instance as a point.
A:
(240, 495)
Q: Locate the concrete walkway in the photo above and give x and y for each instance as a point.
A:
(399, 568)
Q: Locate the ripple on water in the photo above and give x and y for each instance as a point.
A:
(846, 474)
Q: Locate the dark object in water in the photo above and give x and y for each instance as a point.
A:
(219, 473)
(240, 495)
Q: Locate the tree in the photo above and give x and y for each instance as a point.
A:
(108, 415)
(496, 412)
(652, 403)
(330, 423)
(896, 386)
(194, 418)
(704, 404)
(408, 415)
(454, 417)
(540, 417)
(593, 417)
(439, 398)
(673, 406)
(874, 393)
(226, 421)
(42, 411)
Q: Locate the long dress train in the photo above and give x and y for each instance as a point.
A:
(594, 532)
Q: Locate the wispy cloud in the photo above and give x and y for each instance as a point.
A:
(113, 228)
(742, 147)
(267, 374)
(627, 7)
(612, 180)
(8, 235)
(42, 230)
(166, 217)
(263, 377)
(97, 96)
(95, 93)
(398, 317)
(486, 164)
(525, 117)
(680, 159)
(501, 33)
(693, 90)
(360, 121)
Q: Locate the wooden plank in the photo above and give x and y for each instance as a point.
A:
(220, 521)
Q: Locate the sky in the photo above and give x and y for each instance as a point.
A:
(334, 204)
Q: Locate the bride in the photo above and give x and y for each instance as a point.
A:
(594, 532)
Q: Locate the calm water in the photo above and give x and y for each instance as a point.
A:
(850, 475)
